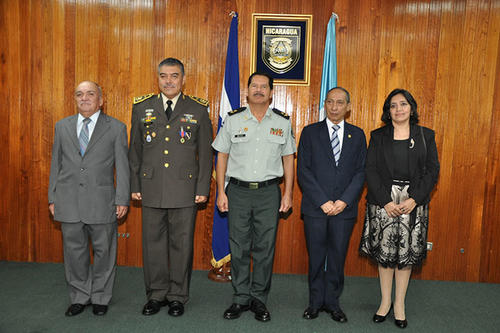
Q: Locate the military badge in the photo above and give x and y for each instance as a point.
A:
(185, 135)
(188, 118)
(280, 47)
(148, 119)
(276, 131)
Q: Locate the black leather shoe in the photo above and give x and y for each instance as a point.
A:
(176, 309)
(99, 310)
(260, 310)
(338, 315)
(401, 323)
(153, 307)
(74, 309)
(311, 313)
(235, 311)
(380, 319)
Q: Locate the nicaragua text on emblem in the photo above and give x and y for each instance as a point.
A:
(280, 47)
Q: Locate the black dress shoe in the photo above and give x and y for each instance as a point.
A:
(338, 315)
(260, 310)
(176, 309)
(311, 313)
(235, 311)
(380, 319)
(153, 307)
(401, 323)
(99, 310)
(75, 309)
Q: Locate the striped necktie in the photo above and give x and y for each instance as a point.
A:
(84, 136)
(335, 144)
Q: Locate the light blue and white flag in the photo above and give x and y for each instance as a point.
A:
(230, 100)
(329, 76)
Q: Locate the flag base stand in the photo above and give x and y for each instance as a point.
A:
(221, 274)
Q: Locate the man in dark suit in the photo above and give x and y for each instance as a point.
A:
(170, 164)
(89, 149)
(330, 169)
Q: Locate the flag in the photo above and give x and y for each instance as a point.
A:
(230, 100)
(329, 76)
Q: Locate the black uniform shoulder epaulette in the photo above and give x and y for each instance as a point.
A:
(198, 100)
(232, 113)
(281, 113)
(142, 98)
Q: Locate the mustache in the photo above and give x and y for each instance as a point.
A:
(258, 94)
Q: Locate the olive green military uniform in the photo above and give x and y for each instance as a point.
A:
(170, 163)
(255, 166)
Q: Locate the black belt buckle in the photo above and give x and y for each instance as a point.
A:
(253, 186)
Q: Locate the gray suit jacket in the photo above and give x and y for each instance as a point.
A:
(82, 188)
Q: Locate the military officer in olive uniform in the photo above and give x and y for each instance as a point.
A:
(255, 149)
(171, 164)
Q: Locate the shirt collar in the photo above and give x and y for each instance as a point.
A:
(249, 115)
(330, 124)
(174, 100)
(93, 117)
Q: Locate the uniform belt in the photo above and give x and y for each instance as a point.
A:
(254, 185)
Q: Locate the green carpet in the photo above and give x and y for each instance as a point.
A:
(34, 298)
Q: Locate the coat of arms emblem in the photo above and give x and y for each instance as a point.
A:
(281, 47)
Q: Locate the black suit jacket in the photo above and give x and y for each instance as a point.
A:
(380, 166)
(320, 179)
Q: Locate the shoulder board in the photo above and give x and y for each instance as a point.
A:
(198, 100)
(142, 98)
(231, 113)
(281, 113)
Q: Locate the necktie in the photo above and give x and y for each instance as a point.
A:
(168, 110)
(335, 144)
(84, 136)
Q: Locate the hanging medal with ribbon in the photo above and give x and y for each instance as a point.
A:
(182, 133)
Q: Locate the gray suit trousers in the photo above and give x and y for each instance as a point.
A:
(86, 283)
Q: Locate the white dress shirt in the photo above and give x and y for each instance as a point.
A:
(174, 101)
(91, 125)
(340, 131)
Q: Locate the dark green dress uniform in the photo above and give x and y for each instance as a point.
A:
(170, 163)
(255, 167)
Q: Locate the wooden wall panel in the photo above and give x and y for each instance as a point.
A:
(446, 52)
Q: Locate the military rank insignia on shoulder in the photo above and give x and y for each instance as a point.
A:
(232, 113)
(281, 113)
(198, 100)
(142, 98)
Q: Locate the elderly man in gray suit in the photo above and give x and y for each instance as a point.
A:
(89, 149)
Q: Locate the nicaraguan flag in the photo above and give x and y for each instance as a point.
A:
(329, 76)
(230, 100)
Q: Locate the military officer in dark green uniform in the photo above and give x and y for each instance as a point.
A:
(170, 163)
(255, 149)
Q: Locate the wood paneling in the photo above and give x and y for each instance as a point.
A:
(446, 52)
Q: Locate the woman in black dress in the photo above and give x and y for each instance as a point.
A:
(402, 169)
